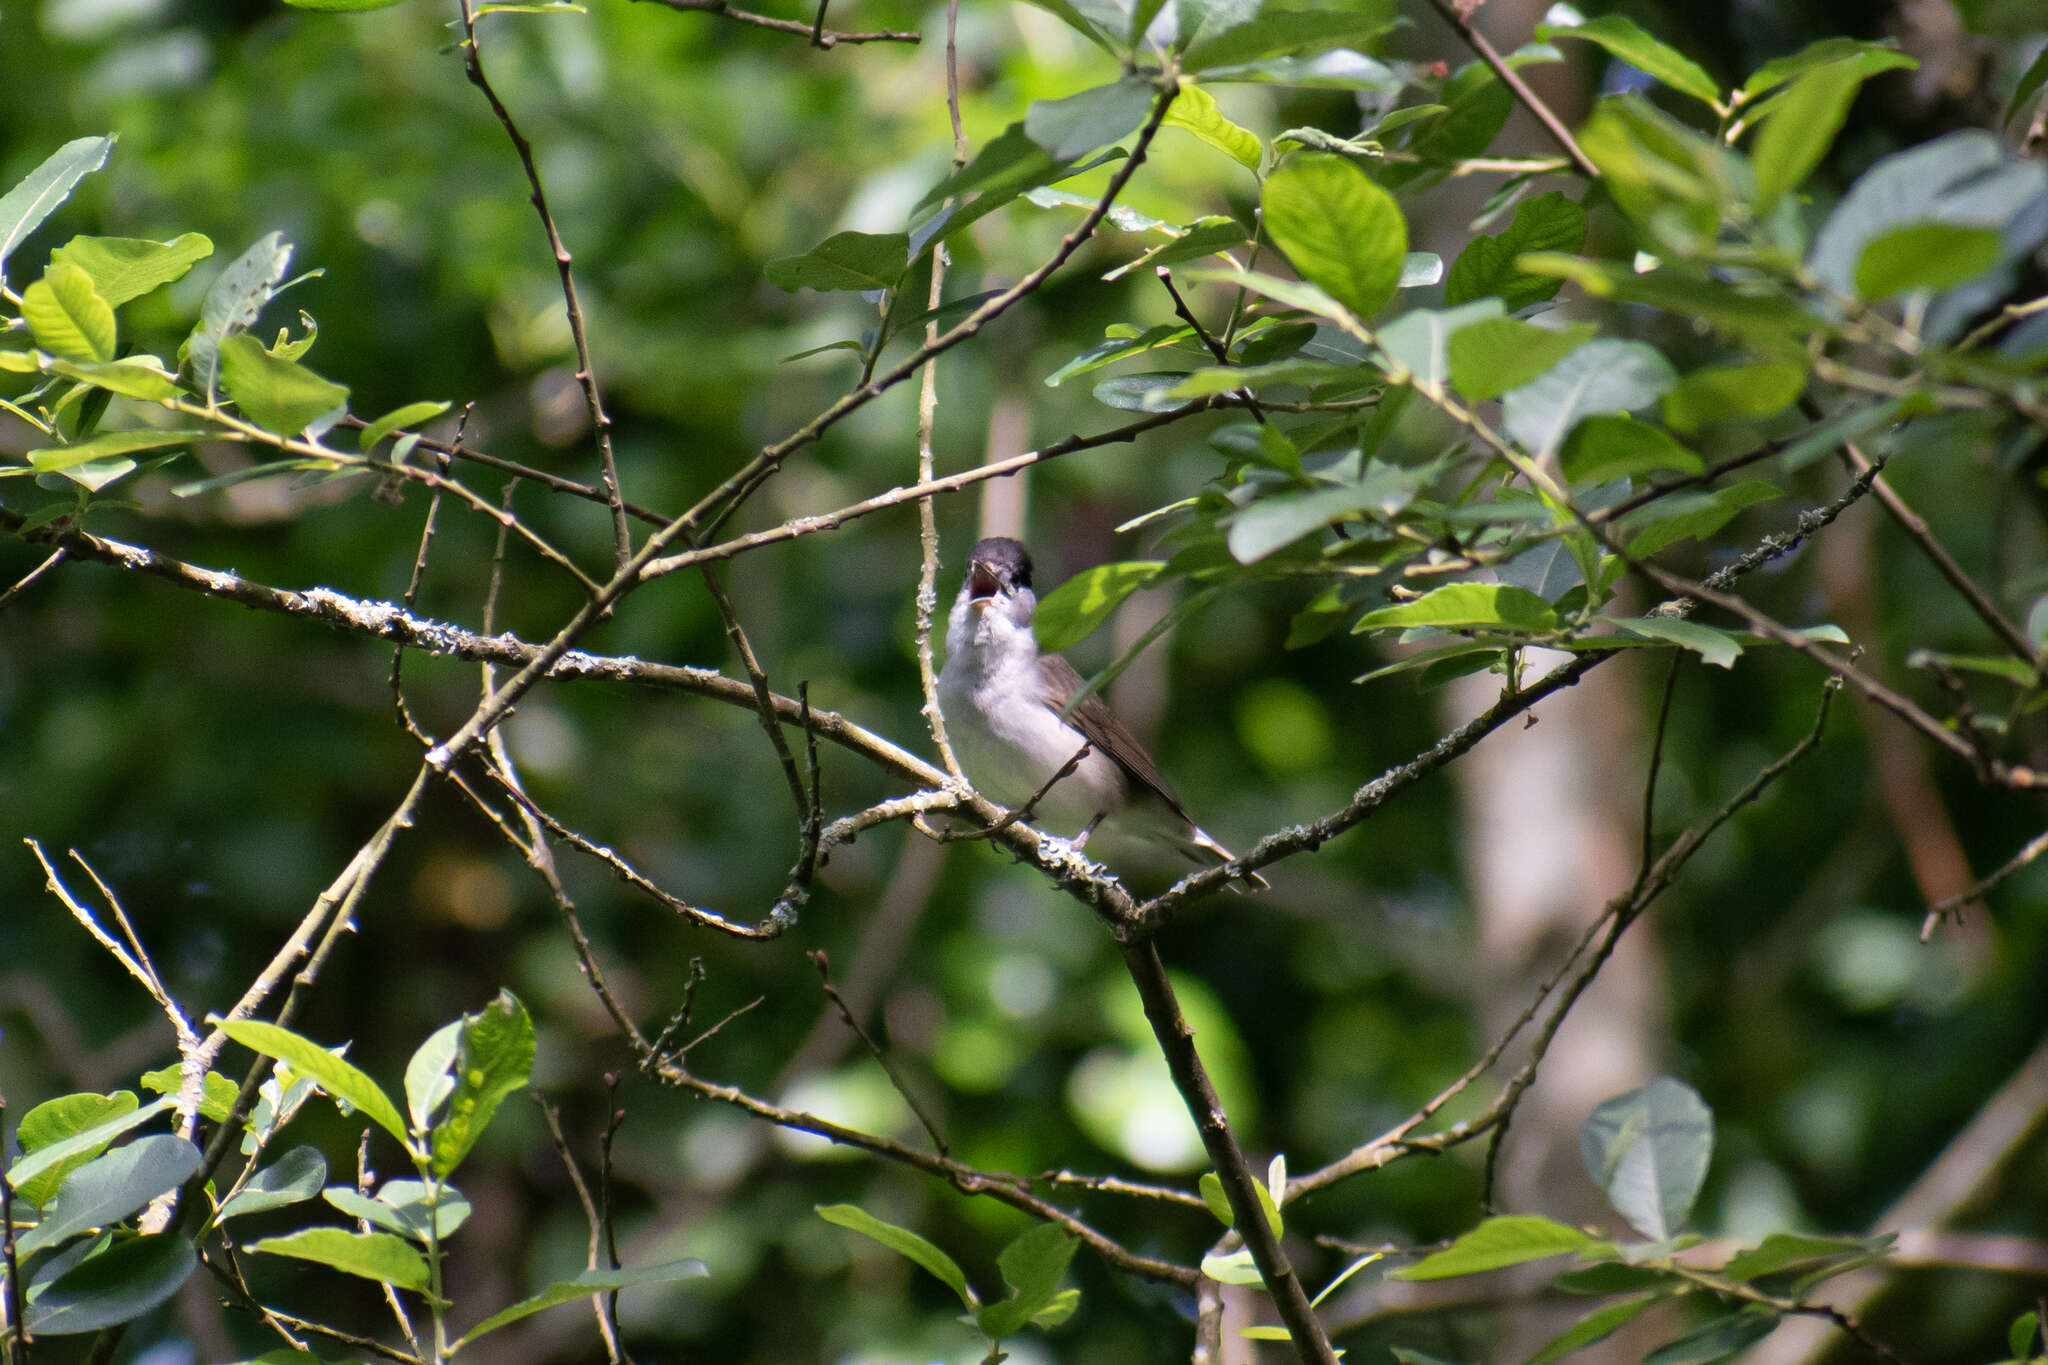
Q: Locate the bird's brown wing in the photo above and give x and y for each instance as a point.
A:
(1058, 681)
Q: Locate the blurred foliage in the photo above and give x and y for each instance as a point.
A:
(217, 767)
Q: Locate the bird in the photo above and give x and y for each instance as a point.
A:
(1011, 716)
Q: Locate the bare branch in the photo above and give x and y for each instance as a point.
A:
(1457, 18)
(586, 373)
(1176, 1040)
(819, 35)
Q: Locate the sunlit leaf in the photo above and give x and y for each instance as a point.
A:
(1342, 231)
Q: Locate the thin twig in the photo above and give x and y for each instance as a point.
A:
(757, 470)
(1552, 124)
(17, 1337)
(615, 1116)
(1176, 1041)
(931, 1126)
(763, 694)
(1024, 812)
(1216, 348)
(1951, 907)
(607, 1324)
(1916, 528)
(1006, 1189)
(820, 38)
(23, 583)
(586, 373)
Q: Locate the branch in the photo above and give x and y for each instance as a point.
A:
(586, 373)
(1006, 1189)
(1474, 39)
(1176, 1039)
(819, 36)
(1942, 910)
(757, 470)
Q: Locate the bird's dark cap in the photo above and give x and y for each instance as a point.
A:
(997, 562)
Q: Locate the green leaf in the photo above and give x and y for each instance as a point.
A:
(109, 1188)
(1467, 606)
(1210, 236)
(1624, 38)
(342, 6)
(1615, 1277)
(1235, 1268)
(1494, 355)
(119, 1285)
(1548, 222)
(1418, 342)
(1717, 1341)
(1919, 256)
(494, 1057)
(101, 460)
(401, 1207)
(1194, 110)
(67, 316)
(429, 1075)
(1599, 377)
(291, 1179)
(124, 268)
(59, 1147)
(1688, 516)
(2029, 87)
(1342, 231)
(1722, 392)
(1032, 1265)
(1117, 348)
(1843, 427)
(1773, 327)
(23, 208)
(1143, 392)
(1673, 182)
(1801, 126)
(1503, 1241)
(281, 396)
(2023, 1337)
(1648, 1149)
(1076, 607)
(1717, 647)
(1781, 1250)
(1294, 293)
(845, 260)
(1869, 58)
(1211, 1187)
(371, 1255)
(1278, 32)
(1057, 1310)
(1278, 520)
(1476, 107)
(1966, 177)
(411, 415)
(139, 376)
(233, 302)
(903, 1242)
(1618, 446)
(1338, 69)
(1299, 371)
(586, 1285)
(1075, 126)
(217, 1094)
(1595, 1326)
(336, 1075)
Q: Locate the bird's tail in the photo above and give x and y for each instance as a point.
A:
(1198, 839)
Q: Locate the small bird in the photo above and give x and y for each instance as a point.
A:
(1004, 702)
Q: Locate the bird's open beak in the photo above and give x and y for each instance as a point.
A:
(982, 583)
